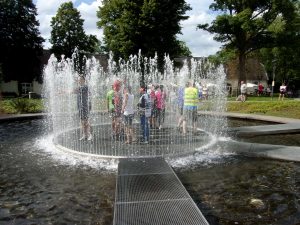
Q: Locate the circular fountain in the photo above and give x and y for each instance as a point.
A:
(60, 79)
(40, 184)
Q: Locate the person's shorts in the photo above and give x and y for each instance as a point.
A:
(157, 112)
(111, 113)
(114, 114)
(128, 119)
(84, 113)
(282, 92)
(190, 114)
(153, 111)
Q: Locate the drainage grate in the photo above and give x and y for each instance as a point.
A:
(149, 192)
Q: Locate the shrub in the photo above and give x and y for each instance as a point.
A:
(21, 105)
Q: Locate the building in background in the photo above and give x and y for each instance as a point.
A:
(14, 88)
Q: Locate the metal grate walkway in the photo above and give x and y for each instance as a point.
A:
(149, 192)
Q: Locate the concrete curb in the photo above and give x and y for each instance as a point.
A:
(279, 152)
(14, 117)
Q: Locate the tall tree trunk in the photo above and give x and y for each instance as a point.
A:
(242, 67)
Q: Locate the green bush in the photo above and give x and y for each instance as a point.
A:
(21, 105)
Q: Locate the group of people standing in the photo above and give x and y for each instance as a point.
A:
(122, 108)
(260, 91)
(150, 107)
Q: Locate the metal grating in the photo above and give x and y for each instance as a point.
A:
(143, 166)
(149, 192)
(149, 188)
(175, 212)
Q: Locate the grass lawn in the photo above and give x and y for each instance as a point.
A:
(289, 107)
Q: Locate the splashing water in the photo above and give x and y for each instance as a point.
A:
(61, 79)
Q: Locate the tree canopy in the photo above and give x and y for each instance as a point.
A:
(246, 26)
(67, 32)
(20, 40)
(147, 25)
(285, 57)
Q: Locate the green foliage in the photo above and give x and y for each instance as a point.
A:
(223, 56)
(290, 109)
(68, 34)
(21, 105)
(245, 26)
(183, 49)
(285, 57)
(20, 40)
(149, 25)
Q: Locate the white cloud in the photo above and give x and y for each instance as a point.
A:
(48, 8)
(200, 42)
(89, 14)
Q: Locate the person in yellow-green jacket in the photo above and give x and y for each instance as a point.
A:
(190, 107)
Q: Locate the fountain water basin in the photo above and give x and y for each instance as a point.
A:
(60, 81)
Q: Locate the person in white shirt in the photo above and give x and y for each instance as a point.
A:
(282, 90)
(243, 91)
(128, 112)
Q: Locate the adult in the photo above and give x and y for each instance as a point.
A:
(190, 107)
(128, 112)
(260, 89)
(282, 91)
(243, 91)
(83, 104)
(144, 106)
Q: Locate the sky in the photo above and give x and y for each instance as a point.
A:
(200, 42)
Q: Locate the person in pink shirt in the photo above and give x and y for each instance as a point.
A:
(158, 105)
(152, 99)
(163, 102)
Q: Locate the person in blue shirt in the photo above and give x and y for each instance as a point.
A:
(180, 101)
(144, 106)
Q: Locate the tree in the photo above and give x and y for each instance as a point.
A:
(20, 40)
(68, 34)
(147, 25)
(284, 57)
(245, 26)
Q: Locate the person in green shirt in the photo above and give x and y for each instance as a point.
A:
(109, 100)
